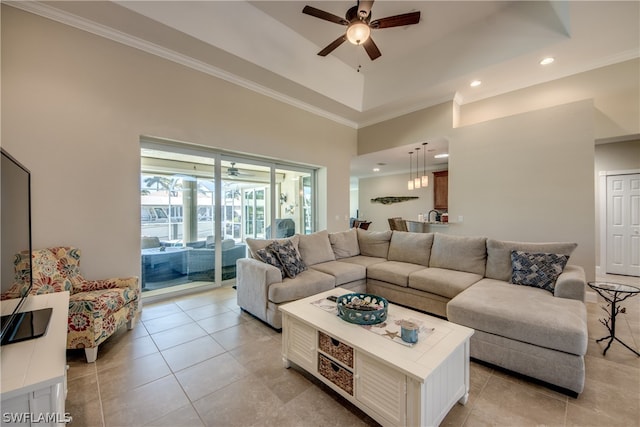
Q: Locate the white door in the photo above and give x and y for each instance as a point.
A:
(623, 224)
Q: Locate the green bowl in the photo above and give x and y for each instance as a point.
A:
(353, 308)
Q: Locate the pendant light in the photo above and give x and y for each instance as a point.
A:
(410, 182)
(425, 177)
(416, 182)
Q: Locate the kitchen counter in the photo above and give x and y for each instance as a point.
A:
(426, 226)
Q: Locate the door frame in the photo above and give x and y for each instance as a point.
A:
(601, 268)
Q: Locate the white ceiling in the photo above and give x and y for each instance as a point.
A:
(271, 47)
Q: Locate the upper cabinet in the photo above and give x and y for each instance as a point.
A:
(441, 190)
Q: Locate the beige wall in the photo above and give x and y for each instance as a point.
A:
(615, 91)
(527, 177)
(75, 106)
(408, 129)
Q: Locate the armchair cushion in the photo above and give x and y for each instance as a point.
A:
(96, 285)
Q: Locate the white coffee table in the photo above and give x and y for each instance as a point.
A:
(394, 383)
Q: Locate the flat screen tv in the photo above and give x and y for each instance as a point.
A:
(15, 237)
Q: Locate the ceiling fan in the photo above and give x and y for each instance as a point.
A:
(359, 26)
(233, 171)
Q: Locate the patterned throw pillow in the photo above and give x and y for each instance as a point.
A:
(537, 269)
(266, 255)
(289, 258)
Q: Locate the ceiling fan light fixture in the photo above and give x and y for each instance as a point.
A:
(358, 32)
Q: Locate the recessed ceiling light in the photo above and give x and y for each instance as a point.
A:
(376, 169)
(547, 61)
(441, 156)
(475, 83)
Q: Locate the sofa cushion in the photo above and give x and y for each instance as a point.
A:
(522, 313)
(315, 248)
(363, 260)
(443, 282)
(256, 244)
(307, 283)
(414, 248)
(343, 272)
(374, 243)
(395, 272)
(540, 270)
(499, 255)
(289, 258)
(459, 253)
(345, 243)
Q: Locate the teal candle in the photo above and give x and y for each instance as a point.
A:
(409, 331)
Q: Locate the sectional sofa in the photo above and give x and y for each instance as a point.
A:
(539, 332)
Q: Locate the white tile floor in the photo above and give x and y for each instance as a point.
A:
(200, 361)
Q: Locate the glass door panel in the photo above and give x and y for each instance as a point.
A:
(182, 242)
(295, 204)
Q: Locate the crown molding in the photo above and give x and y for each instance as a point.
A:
(104, 31)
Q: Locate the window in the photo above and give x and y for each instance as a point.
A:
(181, 213)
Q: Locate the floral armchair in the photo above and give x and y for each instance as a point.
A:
(97, 308)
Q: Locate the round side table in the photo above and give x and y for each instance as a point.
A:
(613, 293)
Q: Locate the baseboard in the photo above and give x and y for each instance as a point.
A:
(591, 297)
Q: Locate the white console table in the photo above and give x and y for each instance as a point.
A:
(33, 383)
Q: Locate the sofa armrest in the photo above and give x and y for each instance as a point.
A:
(253, 279)
(571, 283)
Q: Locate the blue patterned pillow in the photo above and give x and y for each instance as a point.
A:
(266, 255)
(289, 257)
(537, 269)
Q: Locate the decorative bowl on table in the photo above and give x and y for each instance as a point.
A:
(362, 309)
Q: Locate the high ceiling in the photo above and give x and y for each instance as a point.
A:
(271, 47)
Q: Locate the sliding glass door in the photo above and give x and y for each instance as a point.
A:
(198, 207)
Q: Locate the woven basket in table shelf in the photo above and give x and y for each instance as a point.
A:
(335, 373)
(336, 349)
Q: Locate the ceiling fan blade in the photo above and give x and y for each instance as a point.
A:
(396, 21)
(334, 44)
(324, 15)
(372, 49)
